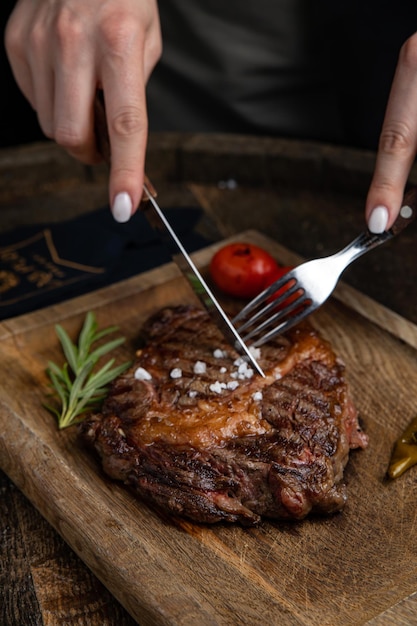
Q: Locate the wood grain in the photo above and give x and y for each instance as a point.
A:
(347, 569)
(49, 585)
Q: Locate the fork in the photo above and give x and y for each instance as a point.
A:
(305, 288)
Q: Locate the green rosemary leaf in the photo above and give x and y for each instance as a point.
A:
(87, 336)
(96, 377)
(66, 376)
(106, 331)
(70, 350)
(106, 375)
(77, 386)
(107, 347)
(54, 369)
(59, 389)
(79, 382)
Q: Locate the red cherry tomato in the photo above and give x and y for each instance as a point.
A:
(281, 272)
(243, 269)
(278, 274)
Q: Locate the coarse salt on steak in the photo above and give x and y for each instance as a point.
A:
(193, 430)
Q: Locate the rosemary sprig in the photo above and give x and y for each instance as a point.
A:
(76, 386)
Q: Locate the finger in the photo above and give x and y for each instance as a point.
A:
(124, 94)
(128, 134)
(43, 96)
(74, 118)
(153, 47)
(31, 62)
(15, 39)
(23, 77)
(75, 82)
(398, 144)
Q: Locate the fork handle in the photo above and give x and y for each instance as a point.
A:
(408, 212)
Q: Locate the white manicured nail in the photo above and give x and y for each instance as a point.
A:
(122, 207)
(378, 220)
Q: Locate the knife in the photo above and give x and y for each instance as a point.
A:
(160, 223)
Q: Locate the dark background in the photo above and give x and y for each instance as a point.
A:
(18, 121)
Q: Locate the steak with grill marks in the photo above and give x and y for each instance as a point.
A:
(191, 429)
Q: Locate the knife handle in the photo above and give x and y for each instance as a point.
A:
(101, 132)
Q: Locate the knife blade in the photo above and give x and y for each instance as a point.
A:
(189, 270)
(157, 219)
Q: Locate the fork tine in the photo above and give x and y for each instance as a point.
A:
(266, 309)
(284, 326)
(283, 314)
(295, 305)
(264, 295)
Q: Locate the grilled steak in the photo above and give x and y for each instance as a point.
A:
(193, 431)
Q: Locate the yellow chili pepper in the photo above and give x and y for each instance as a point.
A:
(404, 454)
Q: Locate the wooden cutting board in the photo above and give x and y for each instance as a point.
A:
(344, 569)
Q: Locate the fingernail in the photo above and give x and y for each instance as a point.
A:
(122, 207)
(378, 220)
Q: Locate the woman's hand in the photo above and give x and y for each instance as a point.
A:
(62, 51)
(398, 143)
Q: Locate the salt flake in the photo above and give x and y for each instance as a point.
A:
(244, 371)
(200, 367)
(217, 387)
(142, 374)
(255, 352)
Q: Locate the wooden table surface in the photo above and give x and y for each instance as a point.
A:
(307, 196)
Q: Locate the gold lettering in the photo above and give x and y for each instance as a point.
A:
(8, 280)
(21, 266)
(17, 262)
(39, 278)
(49, 265)
(8, 255)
